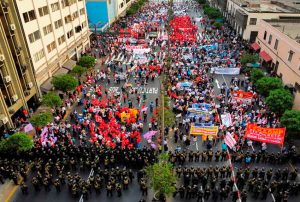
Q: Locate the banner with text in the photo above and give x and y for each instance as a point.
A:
(198, 130)
(226, 119)
(267, 135)
(227, 71)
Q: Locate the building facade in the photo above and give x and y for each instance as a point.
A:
(279, 43)
(245, 15)
(19, 89)
(56, 32)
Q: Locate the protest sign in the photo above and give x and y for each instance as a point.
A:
(267, 135)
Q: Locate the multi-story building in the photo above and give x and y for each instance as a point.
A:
(56, 32)
(102, 13)
(245, 15)
(18, 88)
(220, 4)
(279, 44)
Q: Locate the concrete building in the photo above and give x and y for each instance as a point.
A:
(279, 44)
(18, 88)
(102, 13)
(245, 15)
(56, 33)
(220, 4)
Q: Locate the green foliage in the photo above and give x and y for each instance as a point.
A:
(280, 100)
(64, 82)
(291, 120)
(17, 143)
(249, 58)
(41, 119)
(78, 70)
(266, 84)
(162, 177)
(212, 13)
(169, 116)
(135, 7)
(218, 25)
(201, 1)
(87, 61)
(256, 74)
(51, 99)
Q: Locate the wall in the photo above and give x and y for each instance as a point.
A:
(290, 71)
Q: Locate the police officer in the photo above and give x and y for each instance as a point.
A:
(57, 185)
(24, 188)
(109, 189)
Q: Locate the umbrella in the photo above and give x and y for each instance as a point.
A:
(144, 109)
(153, 146)
(149, 134)
(186, 84)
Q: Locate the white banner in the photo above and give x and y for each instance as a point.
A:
(226, 119)
(228, 71)
(141, 51)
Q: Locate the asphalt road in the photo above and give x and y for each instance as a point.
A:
(133, 194)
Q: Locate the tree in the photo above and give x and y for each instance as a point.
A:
(17, 143)
(212, 13)
(291, 120)
(256, 74)
(87, 61)
(266, 84)
(169, 116)
(41, 119)
(280, 100)
(52, 100)
(218, 25)
(162, 177)
(249, 58)
(78, 70)
(201, 1)
(64, 82)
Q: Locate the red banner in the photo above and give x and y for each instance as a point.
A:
(267, 135)
(243, 96)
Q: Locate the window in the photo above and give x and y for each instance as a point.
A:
(75, 15)
(43, 11)
(276, 44)
(58, 24)
(39, 55)
(121, 5)
(253, 21)
(54, 7)
(265, 35)
(70, 34)
(61, 39)
(29, 16)
(47, 29)
(51, 46)
(65, 3)
(270, 39)
(127, 1)
(84, 24)
(82, 11)
(34, 36)
(78, 29)
(291, 53)
(68, 19)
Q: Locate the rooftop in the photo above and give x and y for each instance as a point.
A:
(290, 28)
(270, 6)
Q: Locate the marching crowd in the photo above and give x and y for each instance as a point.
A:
(99, 139)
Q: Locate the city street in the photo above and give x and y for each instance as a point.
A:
(152, 91)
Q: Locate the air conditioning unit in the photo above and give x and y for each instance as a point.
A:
(15, 98)
(12, 27)
(7, 79)
(2, 58)
(26, 92)
(4, 119)
(30, 85)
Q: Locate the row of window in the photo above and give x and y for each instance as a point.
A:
(290, 53)
(30, 15)
(51, 46)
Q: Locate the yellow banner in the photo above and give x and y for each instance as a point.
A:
(212, 130)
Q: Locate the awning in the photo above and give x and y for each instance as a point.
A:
(255, 46)
(265, 56)
(47, 85)
(69, 65)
